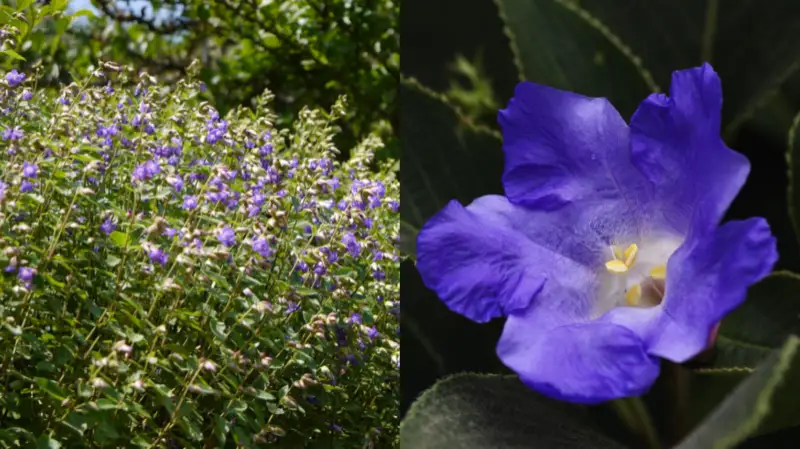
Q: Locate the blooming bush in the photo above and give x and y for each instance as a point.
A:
(173, 278)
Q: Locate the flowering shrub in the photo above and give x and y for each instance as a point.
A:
(173, 278)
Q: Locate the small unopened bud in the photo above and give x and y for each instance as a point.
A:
(332, 318)
(138, 385)
(99, 383)
(289, 401)
(122, 346)
(208, 365)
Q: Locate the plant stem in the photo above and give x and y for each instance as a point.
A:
(636, 417)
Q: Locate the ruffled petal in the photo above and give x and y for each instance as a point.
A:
(482, 262)
(707, 278)
(562, 148)
(676, 144)
(587, 362)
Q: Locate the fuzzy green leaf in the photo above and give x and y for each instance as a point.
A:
(765, 401)
(486, 411)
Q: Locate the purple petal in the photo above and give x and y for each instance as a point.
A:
(588, 362)
(676, 144)
(564, 148)
(707, 278)
(482, 262)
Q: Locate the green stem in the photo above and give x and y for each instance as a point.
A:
(677, 378)
(635, 416)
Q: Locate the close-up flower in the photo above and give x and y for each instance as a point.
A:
(606, 253)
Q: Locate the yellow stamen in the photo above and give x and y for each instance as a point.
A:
(659, 272)
(630, 254)
(616, 266)
(633, 295)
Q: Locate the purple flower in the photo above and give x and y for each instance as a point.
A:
(146, 170)
(25, 186)
(108, 226)
(26, 274)
(261, 246)
(372, 333)
(190, 202)
(292, 307)
(226, 236)
(606, 253)
(353, 247)
(13, 133)
(15, 78)
(177, 184)
(27, 95)
(156, 255)
(355, 318)
(29, 170)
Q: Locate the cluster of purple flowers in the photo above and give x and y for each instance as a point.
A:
(174, 208)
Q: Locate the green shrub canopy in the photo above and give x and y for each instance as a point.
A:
(173, 278)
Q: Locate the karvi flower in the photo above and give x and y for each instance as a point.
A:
(606, 253)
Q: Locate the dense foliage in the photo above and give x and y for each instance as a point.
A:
(178, 278)
(307, 52)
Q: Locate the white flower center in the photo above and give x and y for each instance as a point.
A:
(635, 274)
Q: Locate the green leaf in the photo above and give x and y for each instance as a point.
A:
(408, 239)
(721, 33)
(119, 238)
(112, 260)
(555, 46)
(488, 411)
(51, 387)
(82, 13)
(764, 402)
(446, 158)
(793, 162)
(271, 40)
(45, 442)
(763, 322)
(23, 4)
(13, 54)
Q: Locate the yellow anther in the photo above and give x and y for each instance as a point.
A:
(633, 295)
(630, 254)
(616, 266)
(659, 272)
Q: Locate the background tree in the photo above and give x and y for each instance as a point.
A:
(307, 52)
